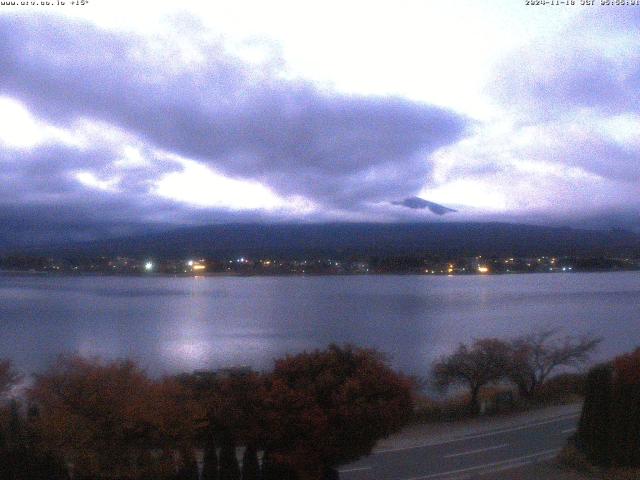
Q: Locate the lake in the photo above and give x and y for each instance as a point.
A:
(175, 324)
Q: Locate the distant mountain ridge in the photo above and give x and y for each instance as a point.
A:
(361, 239)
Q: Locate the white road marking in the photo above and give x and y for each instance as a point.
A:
(568, 430)
(513, 462)
(356, 469)
(479, 450)
(480, 435)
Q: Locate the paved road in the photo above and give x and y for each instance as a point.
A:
(466, 457)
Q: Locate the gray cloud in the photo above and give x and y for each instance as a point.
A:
(595, 66)
(567, 94)
(581, 78)
(604, 157)
(348, 154)
(41, 201)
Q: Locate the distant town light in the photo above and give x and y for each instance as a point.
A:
(190, 263)
(148, 266)
(483, 269)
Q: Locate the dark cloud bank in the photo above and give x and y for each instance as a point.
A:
(342, 152)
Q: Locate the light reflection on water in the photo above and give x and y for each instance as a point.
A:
(171, 324)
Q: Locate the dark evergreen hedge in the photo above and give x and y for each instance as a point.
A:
(229, 469)
(250, 466)
(609, 429)
(593, 429)
(210, 462)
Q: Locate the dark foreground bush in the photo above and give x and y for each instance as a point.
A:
(328, 408)
(429, 410)
(574, 459)
(609, 429)
(561, 389)
(109, 420)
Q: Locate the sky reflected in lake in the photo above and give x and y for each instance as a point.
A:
(175, 324)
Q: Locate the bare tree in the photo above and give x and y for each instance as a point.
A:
(9, 377)
(536, 355)
(484, 362)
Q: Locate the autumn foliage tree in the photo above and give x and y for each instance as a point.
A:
(104, 419)
(534, 357)
(526, 361)
(330, 407)
(484, 362)
(174, 422)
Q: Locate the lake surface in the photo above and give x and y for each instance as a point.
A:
(175, 324)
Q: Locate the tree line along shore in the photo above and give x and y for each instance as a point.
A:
(423, 264)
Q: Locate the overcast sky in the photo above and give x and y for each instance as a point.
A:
(118, 116)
